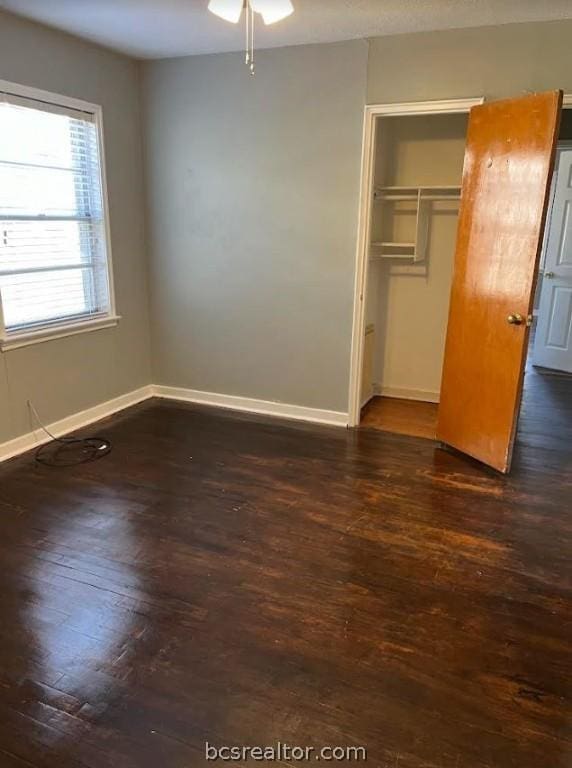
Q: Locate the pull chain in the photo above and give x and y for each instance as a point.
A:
(251, 40)
(249, 57)
(247, 45)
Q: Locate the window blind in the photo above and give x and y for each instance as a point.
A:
(53, 261)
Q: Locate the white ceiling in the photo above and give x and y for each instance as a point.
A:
(163, 28)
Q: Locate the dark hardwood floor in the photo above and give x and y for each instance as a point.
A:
(546, 411)
(245, 581)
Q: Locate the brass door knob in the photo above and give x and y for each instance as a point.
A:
(549, 275)
(515, 319)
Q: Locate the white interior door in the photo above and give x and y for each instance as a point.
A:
(553, 342)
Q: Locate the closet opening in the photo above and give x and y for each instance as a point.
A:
(416, 172)
(413, 165)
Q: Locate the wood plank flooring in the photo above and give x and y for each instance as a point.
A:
(245, 581)
(546, 412)
(402, 417)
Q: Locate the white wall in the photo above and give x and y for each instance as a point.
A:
(253, 199)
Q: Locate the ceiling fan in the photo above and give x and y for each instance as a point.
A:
(270, 10)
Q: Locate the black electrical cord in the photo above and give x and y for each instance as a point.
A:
(68, 451)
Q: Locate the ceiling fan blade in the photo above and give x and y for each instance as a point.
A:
(229, 10)
(272, 10)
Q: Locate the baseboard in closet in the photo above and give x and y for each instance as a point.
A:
(424, 395)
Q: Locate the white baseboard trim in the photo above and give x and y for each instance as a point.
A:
(78, 420)
(264, 407)
(367, 400)
(424, 395)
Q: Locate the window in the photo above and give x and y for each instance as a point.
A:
(54, 252)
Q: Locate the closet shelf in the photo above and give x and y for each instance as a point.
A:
(383, 256)
(421, 197)
(421, 194)
(401, 187)
(393, 250)
(393, 245)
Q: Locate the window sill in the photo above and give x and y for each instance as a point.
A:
(26, 338)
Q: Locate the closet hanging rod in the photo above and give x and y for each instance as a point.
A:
(376, 244)
(419, 195)
(434, 192)
(454, 198)
(382, 196)
(383, 256)
(422, 187)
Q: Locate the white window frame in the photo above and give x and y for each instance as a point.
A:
(24, 338)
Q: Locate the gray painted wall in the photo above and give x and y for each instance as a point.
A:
(65, 376)
(253, 190)
(253, 194)
(495, 62)
(252, 211)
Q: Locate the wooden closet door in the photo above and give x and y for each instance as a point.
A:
(509, 160)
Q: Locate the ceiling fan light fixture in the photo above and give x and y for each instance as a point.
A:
(229, 10)
(272, 10)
